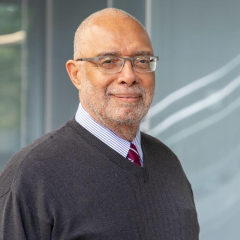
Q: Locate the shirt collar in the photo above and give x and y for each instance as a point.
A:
(117, 143)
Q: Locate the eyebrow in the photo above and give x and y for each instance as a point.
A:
(143, 53)
(138, 53)
(107, 54)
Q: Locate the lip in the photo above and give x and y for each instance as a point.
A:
(127, 97)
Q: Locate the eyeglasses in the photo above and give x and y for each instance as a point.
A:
(111, 64)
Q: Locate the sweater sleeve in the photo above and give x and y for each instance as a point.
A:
(17, 221)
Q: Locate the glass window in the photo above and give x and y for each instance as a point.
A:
(196, 109)
(11, 41)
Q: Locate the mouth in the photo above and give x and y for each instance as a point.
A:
(129, 98)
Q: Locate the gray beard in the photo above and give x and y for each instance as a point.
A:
(114, 117)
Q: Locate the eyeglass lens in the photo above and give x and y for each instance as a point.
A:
(115, 64)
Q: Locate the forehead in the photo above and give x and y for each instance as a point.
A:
(122, 36)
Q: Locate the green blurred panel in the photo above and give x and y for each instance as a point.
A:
(10, 81)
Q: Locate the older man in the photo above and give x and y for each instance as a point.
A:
(98, 177)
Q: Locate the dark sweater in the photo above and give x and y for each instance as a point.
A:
(70, 185)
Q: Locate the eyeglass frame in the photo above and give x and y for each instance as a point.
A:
(124, 60)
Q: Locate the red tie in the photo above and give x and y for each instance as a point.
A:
(133, 155)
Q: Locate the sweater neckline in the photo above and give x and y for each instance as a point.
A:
(114, 156)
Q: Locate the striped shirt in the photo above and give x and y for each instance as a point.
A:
(107, 136)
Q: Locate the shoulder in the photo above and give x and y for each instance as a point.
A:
(35, 158)
(159, 153)
(162, 157)
(156, 145)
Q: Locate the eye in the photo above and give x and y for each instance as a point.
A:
(142, 62)
(108, 62)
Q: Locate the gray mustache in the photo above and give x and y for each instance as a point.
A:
(137, 91)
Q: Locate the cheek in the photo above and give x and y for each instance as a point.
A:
(149, 86)
(147, 80)
(98, 79)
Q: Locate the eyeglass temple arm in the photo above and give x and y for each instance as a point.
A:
(88, 59)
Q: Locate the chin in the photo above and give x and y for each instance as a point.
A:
(126, 114)
(127, 119)
(127, 122)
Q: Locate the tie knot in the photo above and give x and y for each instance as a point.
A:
(133, 155)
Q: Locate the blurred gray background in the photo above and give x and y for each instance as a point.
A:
(196, 109)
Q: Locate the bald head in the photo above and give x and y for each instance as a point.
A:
(116, 100)
(110, 16)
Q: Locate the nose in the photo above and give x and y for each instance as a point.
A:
(127, 75)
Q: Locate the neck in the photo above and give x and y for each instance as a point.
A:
(127, 132)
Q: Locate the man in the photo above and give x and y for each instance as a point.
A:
(98, 177)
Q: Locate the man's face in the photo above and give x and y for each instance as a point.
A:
(120, 98)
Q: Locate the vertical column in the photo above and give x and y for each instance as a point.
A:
(109, 3)
(24, 82)
(148, 15)
(48, 66)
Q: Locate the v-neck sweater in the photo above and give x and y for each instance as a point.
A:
(70, 185)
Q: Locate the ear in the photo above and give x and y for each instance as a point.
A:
(73, 70)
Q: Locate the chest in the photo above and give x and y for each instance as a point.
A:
(116, 204)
